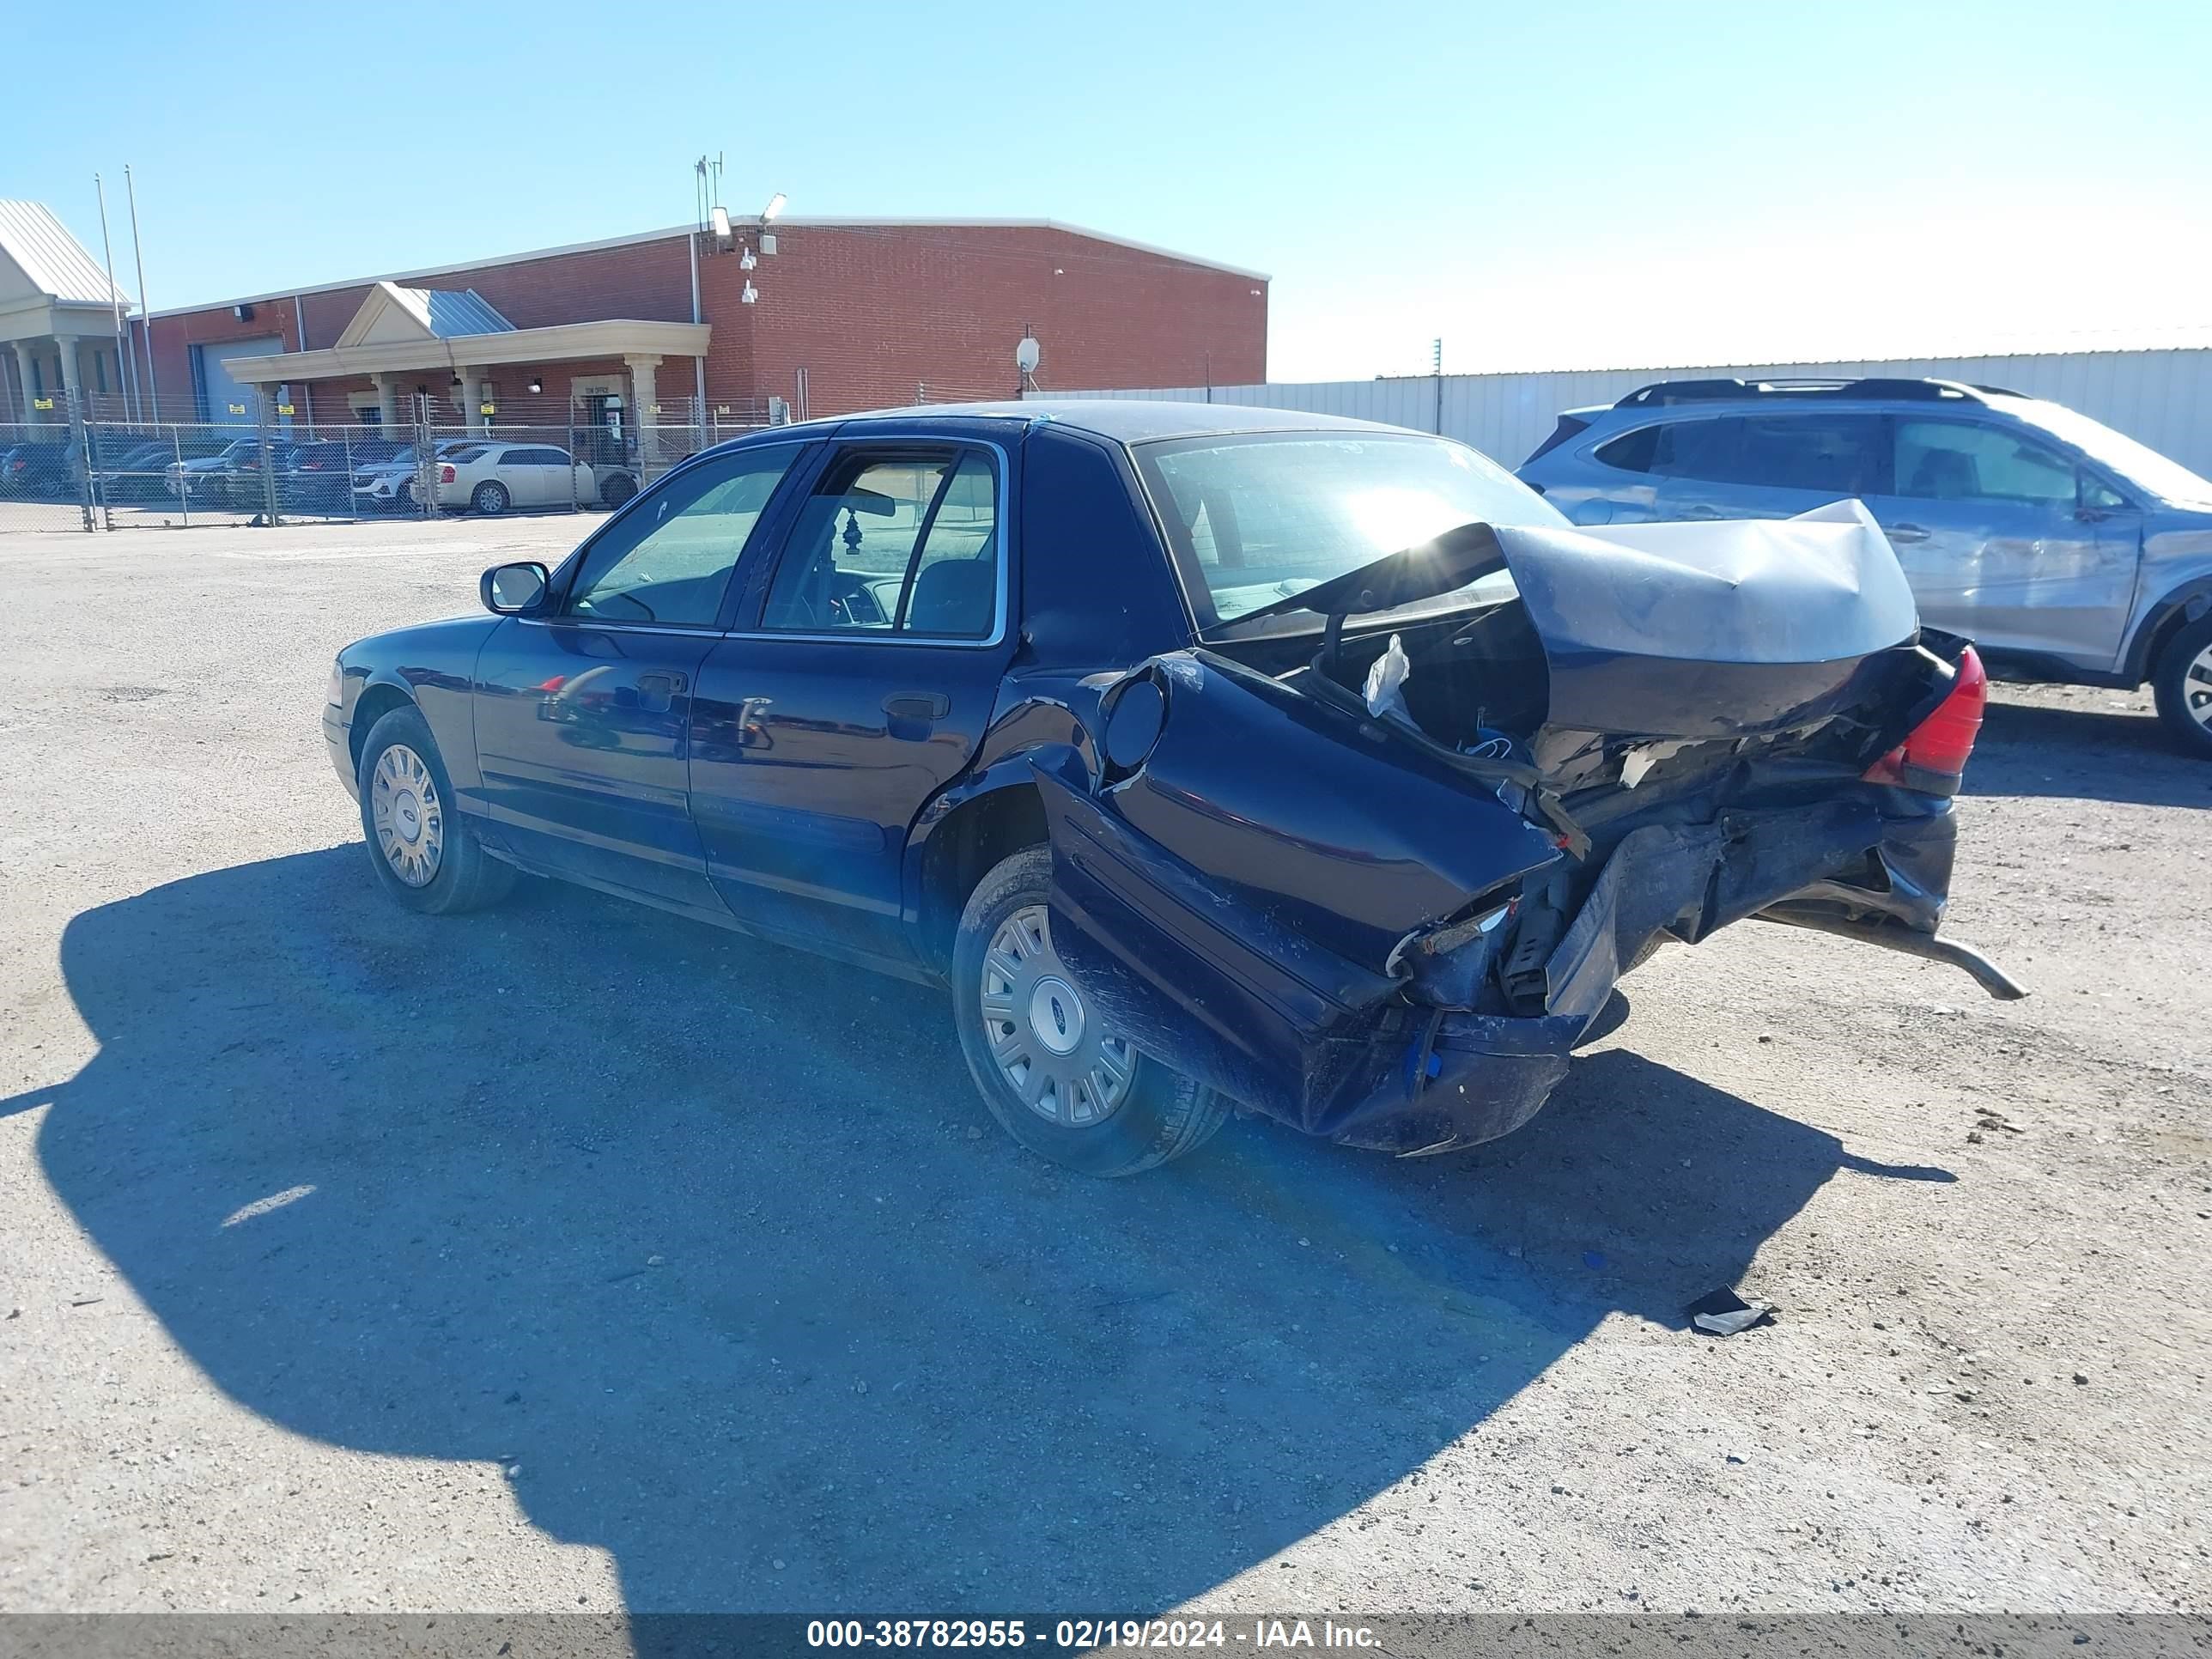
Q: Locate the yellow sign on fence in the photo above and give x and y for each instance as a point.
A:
(284, 409)
(42, 402)
(238, 408)
(486, 408)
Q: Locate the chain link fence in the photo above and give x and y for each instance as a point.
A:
(87, 464)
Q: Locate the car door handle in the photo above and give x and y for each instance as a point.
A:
(917, 705)
(1907, 532)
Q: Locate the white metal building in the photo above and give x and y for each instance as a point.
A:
(2161, 396)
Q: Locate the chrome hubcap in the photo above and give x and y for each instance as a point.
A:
(2197, 689)
(1042, 1036)
(411, 826)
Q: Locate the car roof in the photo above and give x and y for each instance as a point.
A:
(1121, 420)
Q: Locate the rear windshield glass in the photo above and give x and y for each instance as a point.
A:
(1257, 518)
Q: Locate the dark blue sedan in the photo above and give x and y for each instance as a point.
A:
(1212, 755)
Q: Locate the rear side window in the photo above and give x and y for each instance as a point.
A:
(1632, 451)
(901, 543)
(1679, 449)
(1829, 454)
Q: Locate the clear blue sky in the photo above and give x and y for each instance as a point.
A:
(1543, 185)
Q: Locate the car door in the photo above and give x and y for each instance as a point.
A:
(858, 684)
(549, 475)
(582, 716)
(510, 466)
(2007, 539)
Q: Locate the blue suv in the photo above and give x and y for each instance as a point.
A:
(2069, 551)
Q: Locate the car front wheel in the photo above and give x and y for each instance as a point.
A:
(2182, 679)
(425, 855)
(1057, 1078)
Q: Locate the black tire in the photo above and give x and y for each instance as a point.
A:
(2179, 692)
(618, 489)
(490, 498)
(1161, 1114)
(464, 876)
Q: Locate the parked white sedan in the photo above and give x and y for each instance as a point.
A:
(492, 477)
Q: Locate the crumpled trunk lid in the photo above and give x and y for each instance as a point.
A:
(1708, 629)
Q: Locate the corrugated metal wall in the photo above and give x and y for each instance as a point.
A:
(2163, 398)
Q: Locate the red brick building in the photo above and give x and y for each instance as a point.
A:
(843, 315)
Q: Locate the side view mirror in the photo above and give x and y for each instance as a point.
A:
(513, 590)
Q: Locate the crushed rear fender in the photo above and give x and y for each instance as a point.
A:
(1234, 902)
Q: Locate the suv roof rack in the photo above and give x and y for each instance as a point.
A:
(1886, 388)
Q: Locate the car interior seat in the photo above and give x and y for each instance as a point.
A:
(954, 597)
(1944, 475)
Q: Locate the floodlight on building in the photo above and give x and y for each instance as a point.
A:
(775, 207)
(745, 260)
(751, 295)
(719, 217)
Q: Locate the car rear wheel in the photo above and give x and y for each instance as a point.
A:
(2182, 679)
(618, 489)
(490, 498)
(1058, 1080)
(425, 854)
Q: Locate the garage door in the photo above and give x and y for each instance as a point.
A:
(221, 397)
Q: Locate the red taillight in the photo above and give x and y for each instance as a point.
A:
(445, 475)
(1933, 758)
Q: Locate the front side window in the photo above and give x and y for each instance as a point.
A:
(1255, 519)
(899, 543)
(668, 559)
(1951, 461)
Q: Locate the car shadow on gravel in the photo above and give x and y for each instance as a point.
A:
(2088, 754)
(711, 1248)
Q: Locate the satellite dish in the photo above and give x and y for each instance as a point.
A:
(1027, 353)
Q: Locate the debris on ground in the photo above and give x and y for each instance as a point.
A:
(1723, 1313)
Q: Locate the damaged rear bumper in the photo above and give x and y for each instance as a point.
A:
(1229, 994)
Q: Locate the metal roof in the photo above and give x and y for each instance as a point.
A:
(58, 265)
(450, 312)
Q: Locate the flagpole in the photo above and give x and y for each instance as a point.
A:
(126, 360)
(145, 313)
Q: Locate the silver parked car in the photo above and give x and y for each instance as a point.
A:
(2067, 551)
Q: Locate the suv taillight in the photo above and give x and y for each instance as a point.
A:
(1933, 758)
(446, 474)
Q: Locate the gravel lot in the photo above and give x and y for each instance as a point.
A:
(573, 1256)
